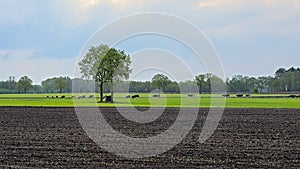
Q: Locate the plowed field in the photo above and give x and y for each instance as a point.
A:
(33, 137)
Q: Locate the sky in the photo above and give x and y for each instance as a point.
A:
(43, 39)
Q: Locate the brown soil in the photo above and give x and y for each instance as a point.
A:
(245, 138)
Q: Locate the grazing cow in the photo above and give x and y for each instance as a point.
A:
(73, 97)
(135, 96)
(128, 96)
(47, 97)
(248, 95)
(56, 97)
(292, 96)
(226, 95)
(190, 95)
(107, 98)
(52, 97)
(240, 95)
(63, 96)
(91, 96)
(83, 96)
(156, 95)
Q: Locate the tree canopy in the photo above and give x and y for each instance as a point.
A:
(160, 81)
(24, 84)
(284, 80)
(104, 64)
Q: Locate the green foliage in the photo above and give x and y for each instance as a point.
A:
(284, 81)
(104, 64)
(209, 81)
(57, 84)
(60, 83)
(89, 65)
(4, 91)
(24, 84)
(160, 81)
(200, 80)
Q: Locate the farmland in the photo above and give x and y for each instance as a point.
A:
(43, 132)
(50, 137)
(168, 100)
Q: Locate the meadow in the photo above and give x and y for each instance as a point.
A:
(146, 100)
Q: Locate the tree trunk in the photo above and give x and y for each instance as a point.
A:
(200, 86)
(112, 91)
(101, 92)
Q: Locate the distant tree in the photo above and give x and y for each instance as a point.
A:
(262, 84)
(37, 89)
(160, 81)
(208, 77)
(239, 83)
(204, 82)
(48, 85)
(188, 86)
(172, 87)
(11, 84)
(24, 84)
(57, 84)
(60, 83)
(279, 72)
(138, 86)
(218, 84)
(292, 69)
(81, 85)
(200, 80)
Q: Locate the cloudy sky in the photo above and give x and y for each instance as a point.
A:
(43, 39)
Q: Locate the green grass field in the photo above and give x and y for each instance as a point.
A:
(145, 100)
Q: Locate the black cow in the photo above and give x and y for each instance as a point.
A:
(107, 98)
(135, 96)
(226, 95)
(56, 97)
(63, 96)
(91, 96)
(156, 95)
(128, 96)
(292, 96)
(240, 95)
(190, 95)
(47, 97)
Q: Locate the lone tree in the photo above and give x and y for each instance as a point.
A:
(104, 64)
(160, 81)
(116, 66)
(24, 84)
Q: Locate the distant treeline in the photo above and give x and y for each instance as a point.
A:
(284, 80)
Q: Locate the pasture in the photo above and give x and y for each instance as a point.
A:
(146, 100)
